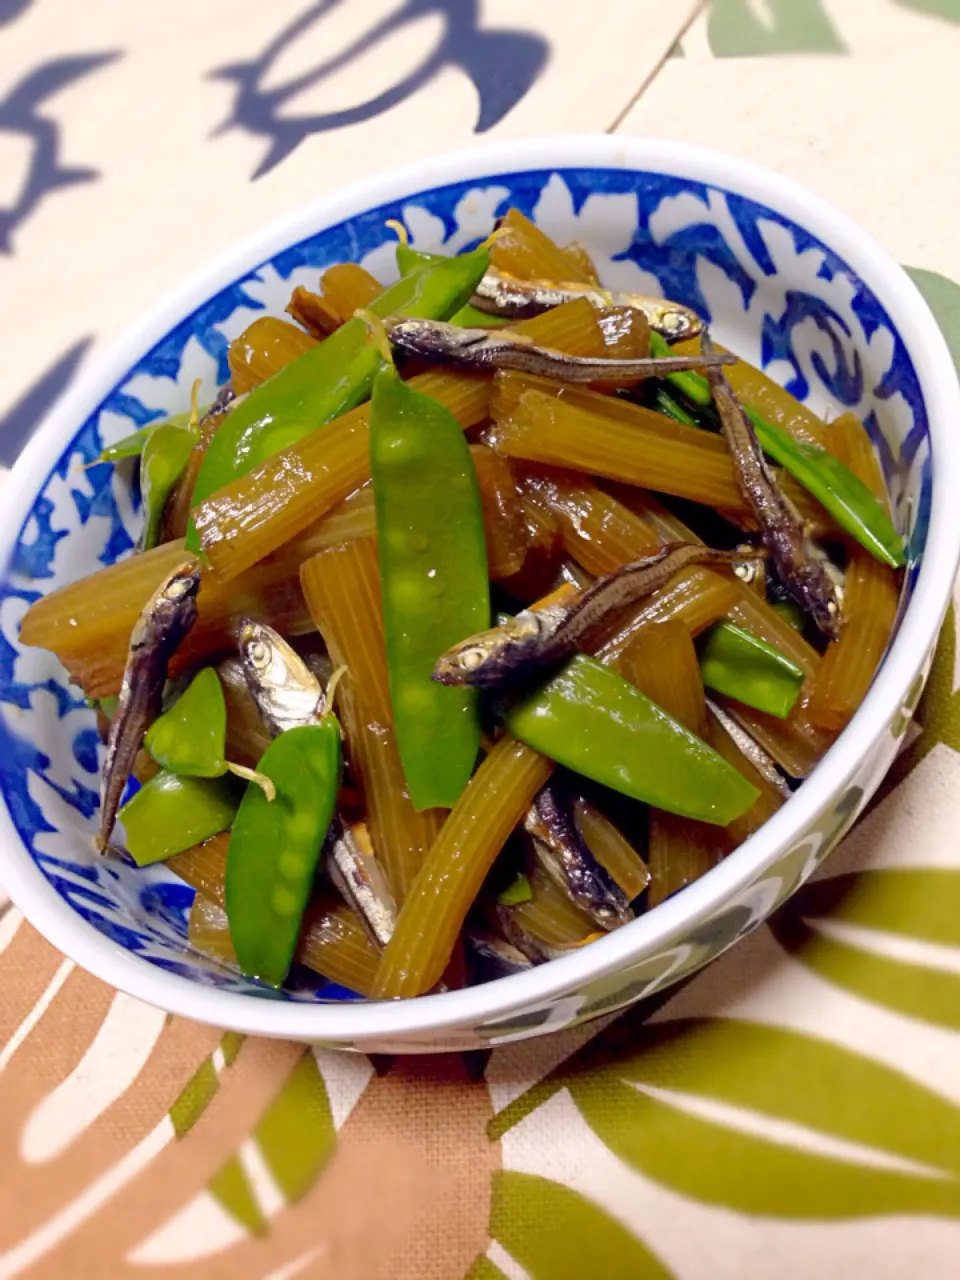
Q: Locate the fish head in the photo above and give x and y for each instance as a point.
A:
(285, 689)
(432, 339)
(491, 658)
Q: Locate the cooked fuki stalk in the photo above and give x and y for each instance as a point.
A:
(169, 614)
(566, 858)
(480, 350)
(501, 295)
(353, 867)
(801, 565)
(283, 686)
(535, 637)
(751, 749)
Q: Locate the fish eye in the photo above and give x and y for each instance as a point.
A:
(258, 653)
(471, 659)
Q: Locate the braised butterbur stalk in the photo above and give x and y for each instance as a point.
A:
(536, 637)
(801, 566)
(169, 614)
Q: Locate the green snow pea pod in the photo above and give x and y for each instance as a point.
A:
(190, 738)
(791, 613)
(164, 460)
(274, 847)
(517, 891)
(169, 814)
(591, 720)
(133, 445)
(434, 581)
(410, 259)
(843, 494)
(329, 379)
(740, 664)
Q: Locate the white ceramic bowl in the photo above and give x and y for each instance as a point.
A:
(784, 279)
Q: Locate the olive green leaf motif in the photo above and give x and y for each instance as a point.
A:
(798, 26)
(941, 294)
(699, 1105)
(295, 1137)
(484, 1269)
(555, 1233)
(918, 903)
(949, 9)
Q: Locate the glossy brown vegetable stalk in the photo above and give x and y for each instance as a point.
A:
(662, 663)
(871, 596)
(347, 288)
(544, 552)
(247, 736)
(87, 624)
(626, 332)
(503, 522)
(611, 849)
(263, 349)
(573, 327)
(313, 313)
(599, 532)
(521, 249)
(430, 920)
(697, 597)
(579, 255)
(264, 509)
(548, 923)
(342, 587)
(769, 800)
(795, 744)
(333, 941)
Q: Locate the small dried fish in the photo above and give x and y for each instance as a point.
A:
(536, 951)
(493, 957)
(801, 565)
(166, 618)
(567, 859)
(535, 637)
(479, 349)
(283, 686)
(353, 867)
(502, 295)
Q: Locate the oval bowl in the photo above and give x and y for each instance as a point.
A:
(786, 281)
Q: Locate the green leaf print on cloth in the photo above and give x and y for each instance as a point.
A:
(555, 1233)
(796, 26)
(949, 9)
(765, 1120)
(919, 903)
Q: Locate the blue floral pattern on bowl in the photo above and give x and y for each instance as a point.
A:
(777, 296)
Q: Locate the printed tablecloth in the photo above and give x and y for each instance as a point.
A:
(794, 1111)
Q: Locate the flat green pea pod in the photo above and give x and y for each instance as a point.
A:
(133, 445)
(738, 663)
(410, 260)
(329, 379)
(592, 721)
(791, 613)
(274, 847)
(164, 461)
(839, 491)
(170, 814)
(434, 581)
(190, 738)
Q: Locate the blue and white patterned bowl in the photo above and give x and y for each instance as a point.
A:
(784, 280)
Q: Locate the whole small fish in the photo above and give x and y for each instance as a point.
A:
(802, 567)
(565, 856)
(353, 867)
(749, 747)
(166, 618)
(534, 637)
(283, 686)
(502, 295)
(479, 349)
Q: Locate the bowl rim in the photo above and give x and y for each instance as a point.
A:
(362, 1022)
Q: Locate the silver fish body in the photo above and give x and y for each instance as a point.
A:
(565, 856)
(535, 637)
(800, 564)
(352, 865)
(502, 295)
(285, 689)
(748, 746)
(166, 619)
(479, 349)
